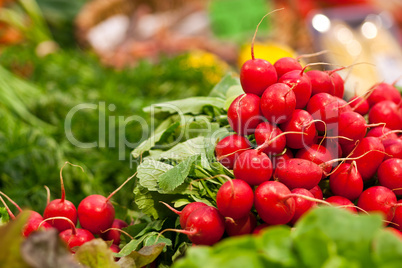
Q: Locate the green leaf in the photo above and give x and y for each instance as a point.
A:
(220, 89)
(96, 253)
(387, 249)
(154, 237)
(182, 150)
(193, 105)
(4, 218)
(143, 257)
(176, 176)
(149, 173)
(232, 94)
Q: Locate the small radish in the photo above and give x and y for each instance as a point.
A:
(317, 192)
(61, 208)
(244, 114)
(339, 84)
(229, 148)
(342, 202)
(386, 112)
(398, 216)
(382, 132)
(273, 203)
(320, 82)
(280, 159)
(235, 199)
(384, 91)
(96, 213)
(359, 105)
(115, 248)
(260, 228)
(73, 237)
(378, 199)
(301, 121)
(346, 181)
(351, 125)
(267, 133)
(316, 153)
(253, 167)
(302, 205)
(285, 65)
(393, 148)
(277, 103)
(114, 234)
(205, 226)
(299, 173)
(390, 175)
(186, 211)
(331, 144)
(240, 226)
(300, 83)
(257, 74)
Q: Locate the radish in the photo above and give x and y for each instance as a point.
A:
(115, 248)
(320, 82)
(186, 211)
(73, 237)
(278, 102)
(244, 114)
(382, 132)
(96, 213)
(257, 74)
(61, 208)
(302, 205)
(285, 65)
(317, 192)
(331, 144)
(267, 133)
(229, 148)
(339, 84)
(386, 112)
(359, 105)
(273, 203)
(280, 159)
(114, 234)
(241, 226)
(235, 199)
(378, 199)
(301, 121)
(384, 91)
(299, 173)
(346, 181)
(351, 125)
(257, 230)
(398, 216)
(342, 202)
(393, 148)
(390, 175)
(300, 83)
(253, 167)
(316, 153)
(205, 226)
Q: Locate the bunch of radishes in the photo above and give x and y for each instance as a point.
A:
(95, 214)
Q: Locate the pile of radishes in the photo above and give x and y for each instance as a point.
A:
(297, 141)
(95, 214)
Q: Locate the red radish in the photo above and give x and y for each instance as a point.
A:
(61, 208)
(235, 199)
(316, 153)
(280, 160)
(384, 91)
(320, 82)
(317, 192)
(285, 65)
(74, 237)
(205, 226)
(393, 148)
(253, 167)
(244, 114)
(186, 211)
(229, 148)
(382, 132)
(346, 181)
(398, 216)
(114, 234)
(299, 173)
(342, 202)
(267, 133)
(390, 175)
(115, 248)
(258, 230)
(323, 106)
(96, 212)
(302, 205)
(378, 199)
(359, 105)
(278, 102)
(386, 112)
(331, 144)
(34, 219)
(370, 154)
(301, 121)
(351, 125)
(241, 226)
(273, 203)
(300, 83)
(257, 74)
(339, 84)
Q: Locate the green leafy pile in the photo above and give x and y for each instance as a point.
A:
(325, 237)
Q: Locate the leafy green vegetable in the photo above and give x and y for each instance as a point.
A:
(4, 217)
(141, 258)
(96, 253)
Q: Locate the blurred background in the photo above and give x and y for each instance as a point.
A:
(57, 54)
